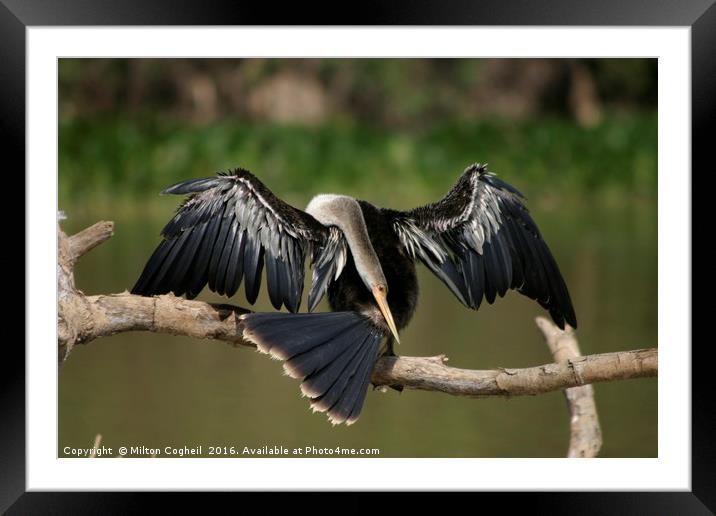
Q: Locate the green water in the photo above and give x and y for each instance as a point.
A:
(142, 389)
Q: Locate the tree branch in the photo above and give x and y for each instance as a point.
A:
(585, 432)
(431, 374)
(82, 319)
(89, 238)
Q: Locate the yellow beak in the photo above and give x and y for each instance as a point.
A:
(382, 300)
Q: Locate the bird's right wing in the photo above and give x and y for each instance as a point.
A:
(480, 240)
(227, 229)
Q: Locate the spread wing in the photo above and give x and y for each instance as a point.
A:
(227, 230)
(480, 240)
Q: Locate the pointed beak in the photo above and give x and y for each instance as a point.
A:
(382, 300)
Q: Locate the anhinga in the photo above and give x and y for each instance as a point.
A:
(479, 240)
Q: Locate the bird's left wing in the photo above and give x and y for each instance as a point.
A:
(480, 240)
(226, 230)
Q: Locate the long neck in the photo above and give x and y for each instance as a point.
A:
(345, 213)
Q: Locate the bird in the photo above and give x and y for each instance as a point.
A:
(479, 240)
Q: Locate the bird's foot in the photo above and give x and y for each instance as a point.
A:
(389, 352)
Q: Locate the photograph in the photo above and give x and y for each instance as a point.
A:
(357, 257)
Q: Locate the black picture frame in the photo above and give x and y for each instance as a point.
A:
(700, 15)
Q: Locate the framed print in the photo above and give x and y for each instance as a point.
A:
(568, 180)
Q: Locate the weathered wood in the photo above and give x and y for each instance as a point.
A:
(72, 313)
(585, 431)
(431, 374)
(83, 242)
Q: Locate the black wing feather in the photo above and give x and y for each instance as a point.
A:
(224, 232)
(254, 264)
(199, 275)
(480, 240)
(153, 265)
(181, 274)
(235, 269)
(492, 273)
(475, 281)
(328, 262)
(225, 224)
(273, 282)
(223, 266)
(160, 283)
(502, 249)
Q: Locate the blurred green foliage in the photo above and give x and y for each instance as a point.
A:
(124, 157)
(131, 127)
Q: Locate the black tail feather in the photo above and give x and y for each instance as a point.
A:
(327, 378)
(333, 353)
(351, 400)
(337, 389)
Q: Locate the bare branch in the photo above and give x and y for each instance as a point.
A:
(585, 432)
(117, 313)
(89, 238)
(431, 374)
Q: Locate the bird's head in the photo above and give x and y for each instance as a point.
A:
(345, 213)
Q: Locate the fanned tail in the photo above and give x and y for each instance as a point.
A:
(333, 353)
